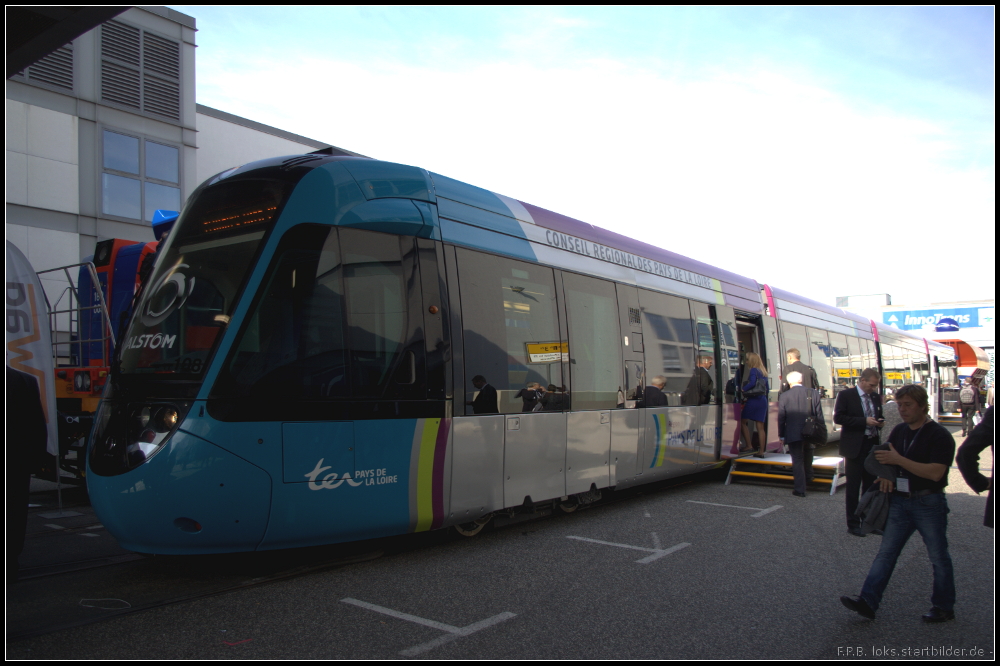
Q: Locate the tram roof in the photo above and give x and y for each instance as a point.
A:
(801, 310)
(522, 220)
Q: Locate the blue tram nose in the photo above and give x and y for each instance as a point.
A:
(192, 497)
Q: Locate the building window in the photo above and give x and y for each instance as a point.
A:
(138, 176)
(140, 70)
(55, 69)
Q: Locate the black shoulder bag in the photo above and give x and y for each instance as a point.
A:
(813, 430)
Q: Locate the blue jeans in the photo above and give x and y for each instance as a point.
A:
(929, 516)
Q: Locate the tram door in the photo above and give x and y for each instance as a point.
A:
(626, 427)
(760, 335)
(729, 361)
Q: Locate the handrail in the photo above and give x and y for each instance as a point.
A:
(73, 289)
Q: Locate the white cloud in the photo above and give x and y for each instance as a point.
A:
(759, 173)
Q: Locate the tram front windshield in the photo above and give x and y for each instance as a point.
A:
(190, 297)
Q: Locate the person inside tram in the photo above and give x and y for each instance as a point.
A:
(653, 395)
(530, 395)
(555, 399)
(486, 401)
(700, 386)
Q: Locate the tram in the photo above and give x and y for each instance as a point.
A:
(970, 363)
(334, 349)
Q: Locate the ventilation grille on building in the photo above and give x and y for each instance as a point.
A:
(121, 42)
(633, 316)
(119, 84)
(55, 69)
(161, 56)
(140, 70)
(162, 97)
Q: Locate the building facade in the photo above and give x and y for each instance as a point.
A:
(106, 130)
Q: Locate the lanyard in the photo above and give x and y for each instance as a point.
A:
(909, 447)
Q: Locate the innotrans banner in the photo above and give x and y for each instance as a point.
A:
(29, 344)
(961, 318)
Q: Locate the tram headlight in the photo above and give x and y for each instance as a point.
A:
(166, 419)
(128, 435)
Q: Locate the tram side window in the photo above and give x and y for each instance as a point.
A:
(668, 335)
(511, 330)
(871, 357)
(794, 337)
(820, 347)
(854, 347)
(894, 362)
(594, 342)
(840, 357)
(921, 367)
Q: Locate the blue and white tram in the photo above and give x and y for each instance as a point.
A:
(300, 369)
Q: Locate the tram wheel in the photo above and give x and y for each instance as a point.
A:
(473, 528)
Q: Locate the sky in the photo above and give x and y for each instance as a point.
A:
(829, 151)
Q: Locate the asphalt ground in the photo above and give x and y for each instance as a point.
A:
(698, 570)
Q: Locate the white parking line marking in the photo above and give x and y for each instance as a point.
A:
(452, 633)
(89, 534)
(760, 511)
(447, 638)
(656, 541)
(54, 526)
(657, 553)
(660, 553)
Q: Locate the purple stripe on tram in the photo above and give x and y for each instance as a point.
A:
(437, 482)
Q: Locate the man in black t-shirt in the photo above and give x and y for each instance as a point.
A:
(922, 451)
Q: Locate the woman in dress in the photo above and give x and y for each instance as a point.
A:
(755, 408)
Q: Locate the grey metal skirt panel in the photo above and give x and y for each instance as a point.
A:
(626, 445)
(477, 466)
(588, 449)
(534, 457)
(672, 441)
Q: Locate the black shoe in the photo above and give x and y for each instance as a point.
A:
(938, 615)
(856, 531)
(861, 607)
(798, 494)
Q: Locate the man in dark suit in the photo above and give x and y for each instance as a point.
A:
(486, 401)
(809, 379)
(793, 410)
(860, 413)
